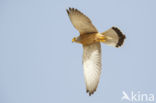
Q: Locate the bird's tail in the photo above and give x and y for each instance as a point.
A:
(114, 37)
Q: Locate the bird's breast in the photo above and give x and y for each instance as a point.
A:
(87, 39)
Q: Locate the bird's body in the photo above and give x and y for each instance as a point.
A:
(90, 39)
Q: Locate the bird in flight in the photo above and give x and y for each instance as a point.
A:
(90, 39)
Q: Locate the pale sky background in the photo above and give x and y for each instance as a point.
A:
(40, 64)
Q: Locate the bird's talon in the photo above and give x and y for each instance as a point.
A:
(101, 39)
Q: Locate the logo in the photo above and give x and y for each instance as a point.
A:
(137, 97)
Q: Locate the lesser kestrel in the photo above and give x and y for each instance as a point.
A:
(90, 39)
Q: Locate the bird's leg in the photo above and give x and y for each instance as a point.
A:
(101, 38)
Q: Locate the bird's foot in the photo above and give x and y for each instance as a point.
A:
(101, 39)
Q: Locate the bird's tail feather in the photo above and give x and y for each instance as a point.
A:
(114, 37)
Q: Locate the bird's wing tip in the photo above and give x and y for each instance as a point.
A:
(90, 92)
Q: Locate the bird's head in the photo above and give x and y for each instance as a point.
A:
(76, 39)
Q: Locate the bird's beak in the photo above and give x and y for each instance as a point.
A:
(73, 40)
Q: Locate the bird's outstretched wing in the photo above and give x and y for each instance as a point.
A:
(81, 22)
(92, 66)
